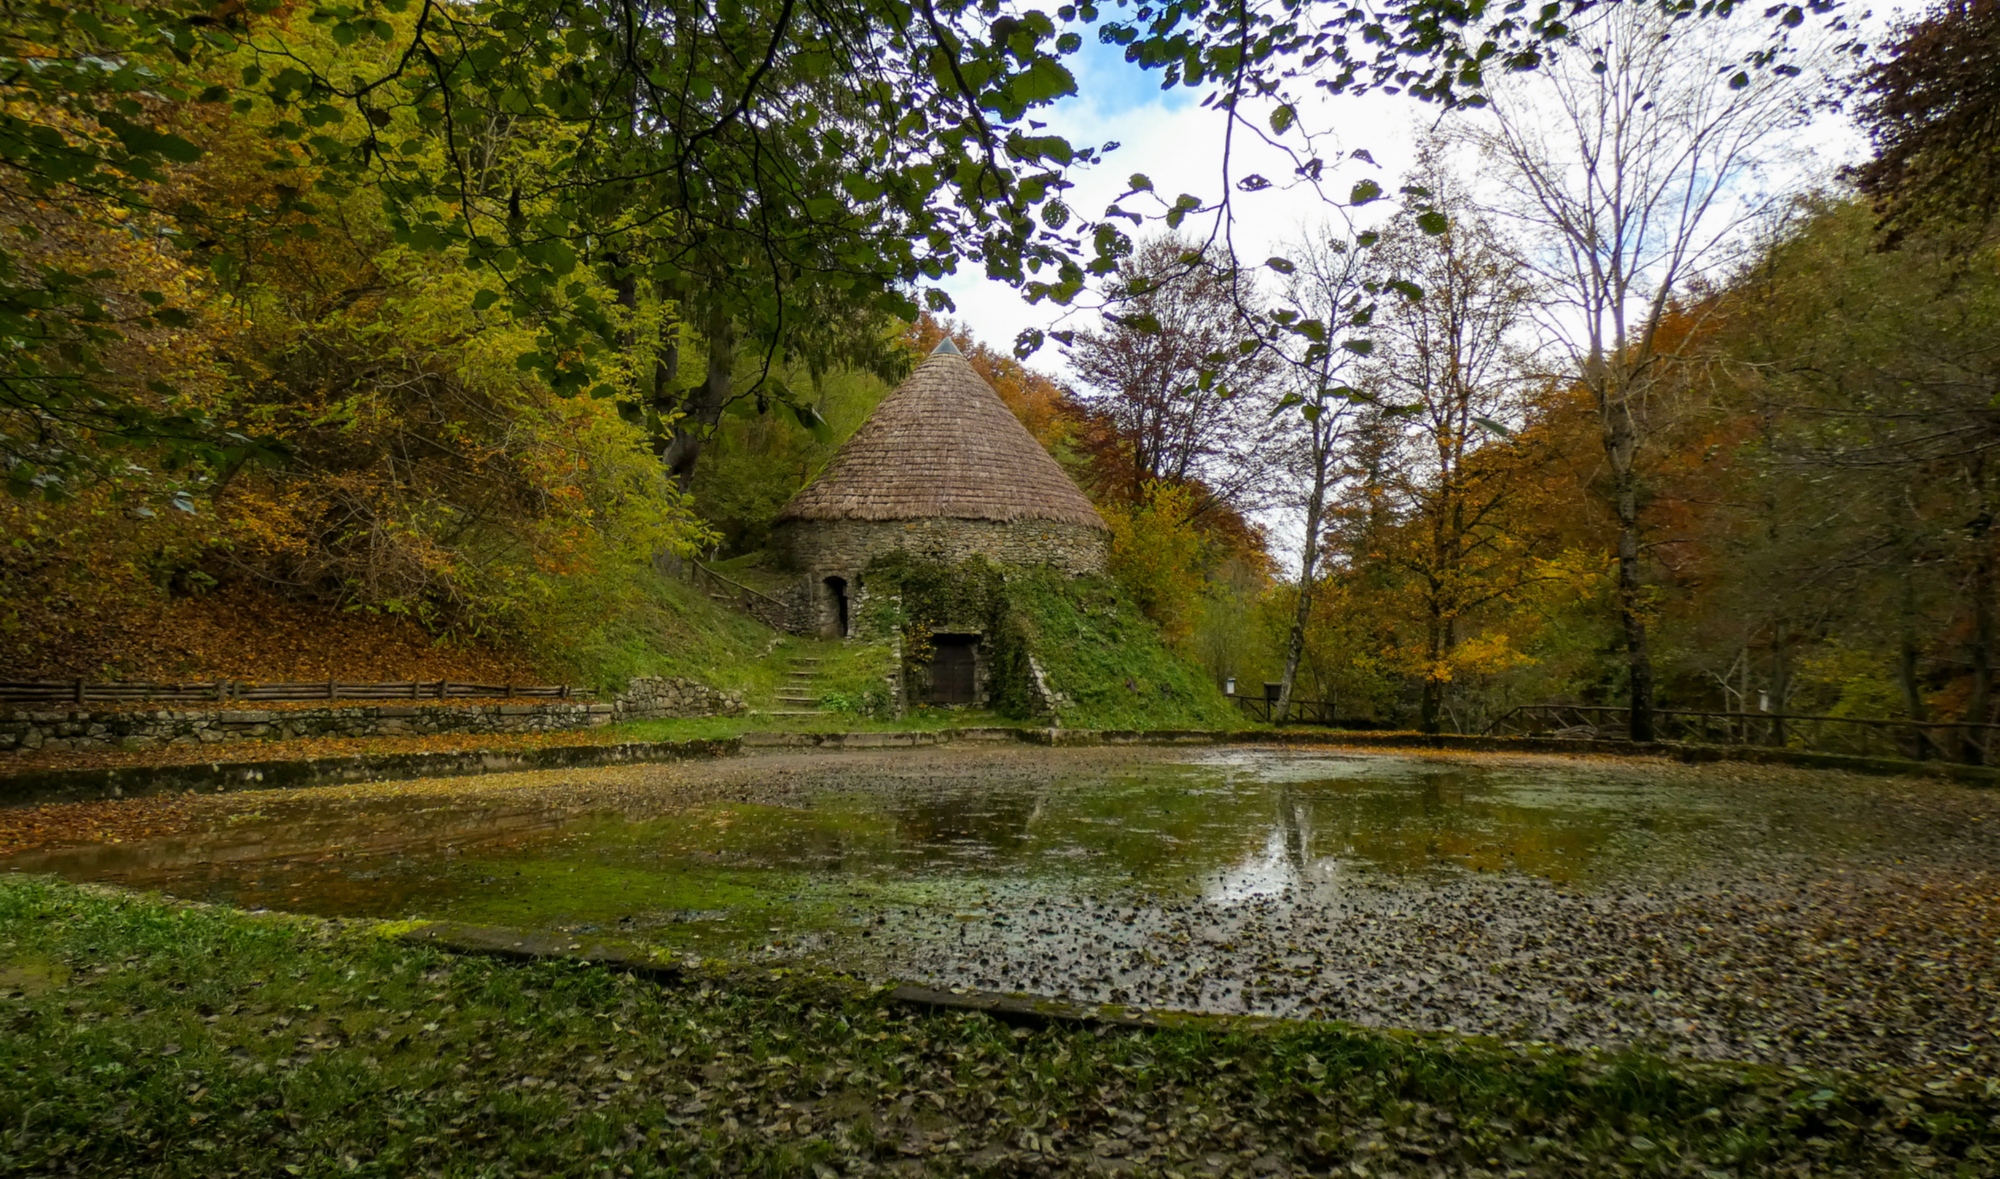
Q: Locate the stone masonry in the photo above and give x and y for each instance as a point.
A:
(847, 546)
(649, 698)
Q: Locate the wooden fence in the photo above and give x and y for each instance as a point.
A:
(757, 604)
(1862, 736)
(83, 692)
(1302, 712)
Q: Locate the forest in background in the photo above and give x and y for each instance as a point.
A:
(315, 378)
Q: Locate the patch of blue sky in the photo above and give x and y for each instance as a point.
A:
(1108, 86)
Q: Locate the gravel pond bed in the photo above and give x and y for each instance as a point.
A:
(1722, 912)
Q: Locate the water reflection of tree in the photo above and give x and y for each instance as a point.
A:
(1453, 816)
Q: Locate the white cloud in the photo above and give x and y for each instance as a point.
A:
(1180, 147)
(1170, 138)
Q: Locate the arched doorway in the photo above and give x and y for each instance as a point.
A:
(834, 625)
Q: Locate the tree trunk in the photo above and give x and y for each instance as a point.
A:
(1907, 657)
(1437, 645)
(1979, 709)
(1781, 678)
(1621, 444)
(667, 355)
(1295, 645)
(705, 403)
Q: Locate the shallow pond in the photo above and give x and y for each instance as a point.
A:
(1721, 912)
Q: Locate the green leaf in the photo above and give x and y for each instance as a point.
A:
(1363, 192)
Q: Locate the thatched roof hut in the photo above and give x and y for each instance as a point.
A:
(941, 469)
(943, 446)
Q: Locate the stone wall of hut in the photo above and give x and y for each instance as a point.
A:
(847, 546)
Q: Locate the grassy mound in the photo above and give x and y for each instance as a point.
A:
(646, 625)
(1108, 662)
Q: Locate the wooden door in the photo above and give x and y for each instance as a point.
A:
(952, 666)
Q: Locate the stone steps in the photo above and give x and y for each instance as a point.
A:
(795, 697)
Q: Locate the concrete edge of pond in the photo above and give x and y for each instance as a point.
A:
(73, 785)
(516, 945)
(291, 773)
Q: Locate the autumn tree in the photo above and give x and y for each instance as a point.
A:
(1930, 103)
(1627, 164)
(1165, 373)
(1319, 333)
(1446, 382)
(1872, 372)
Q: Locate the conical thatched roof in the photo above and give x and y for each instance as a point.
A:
(942, 445)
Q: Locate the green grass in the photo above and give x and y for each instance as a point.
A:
(1095, 647)
(648, 625)
(1098, 650)
(151, 1038)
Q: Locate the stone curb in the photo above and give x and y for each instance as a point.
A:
(514, 945)
(215, 777)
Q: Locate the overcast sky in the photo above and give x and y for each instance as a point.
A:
(1175, 142)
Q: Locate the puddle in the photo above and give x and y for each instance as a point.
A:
(1581, 902)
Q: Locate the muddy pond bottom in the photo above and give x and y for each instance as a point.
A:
(1722, 912)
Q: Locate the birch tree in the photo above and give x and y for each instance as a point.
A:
(1631, 164)
(1329, 298)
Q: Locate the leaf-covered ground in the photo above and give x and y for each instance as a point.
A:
(150, 1038)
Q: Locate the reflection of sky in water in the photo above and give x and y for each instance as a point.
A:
(1272, 871)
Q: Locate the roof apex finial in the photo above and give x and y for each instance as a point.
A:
(946, 348)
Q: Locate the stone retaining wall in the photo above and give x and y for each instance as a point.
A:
(22, 730)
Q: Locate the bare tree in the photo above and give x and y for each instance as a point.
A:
(1329, 294)
(1165, 370)
(1632, 162)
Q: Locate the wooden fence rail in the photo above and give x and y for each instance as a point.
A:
(85, 692)
(754, 602)
(1303, 712)
(1863, 736)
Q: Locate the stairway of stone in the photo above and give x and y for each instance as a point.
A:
(796, 695)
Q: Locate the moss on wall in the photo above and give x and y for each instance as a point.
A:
(1096, 651)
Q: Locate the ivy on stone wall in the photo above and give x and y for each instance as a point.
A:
(1094, 646)
(970, 595)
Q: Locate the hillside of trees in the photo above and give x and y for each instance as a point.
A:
(404, 339)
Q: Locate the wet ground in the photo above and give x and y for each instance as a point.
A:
(1726, 912)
